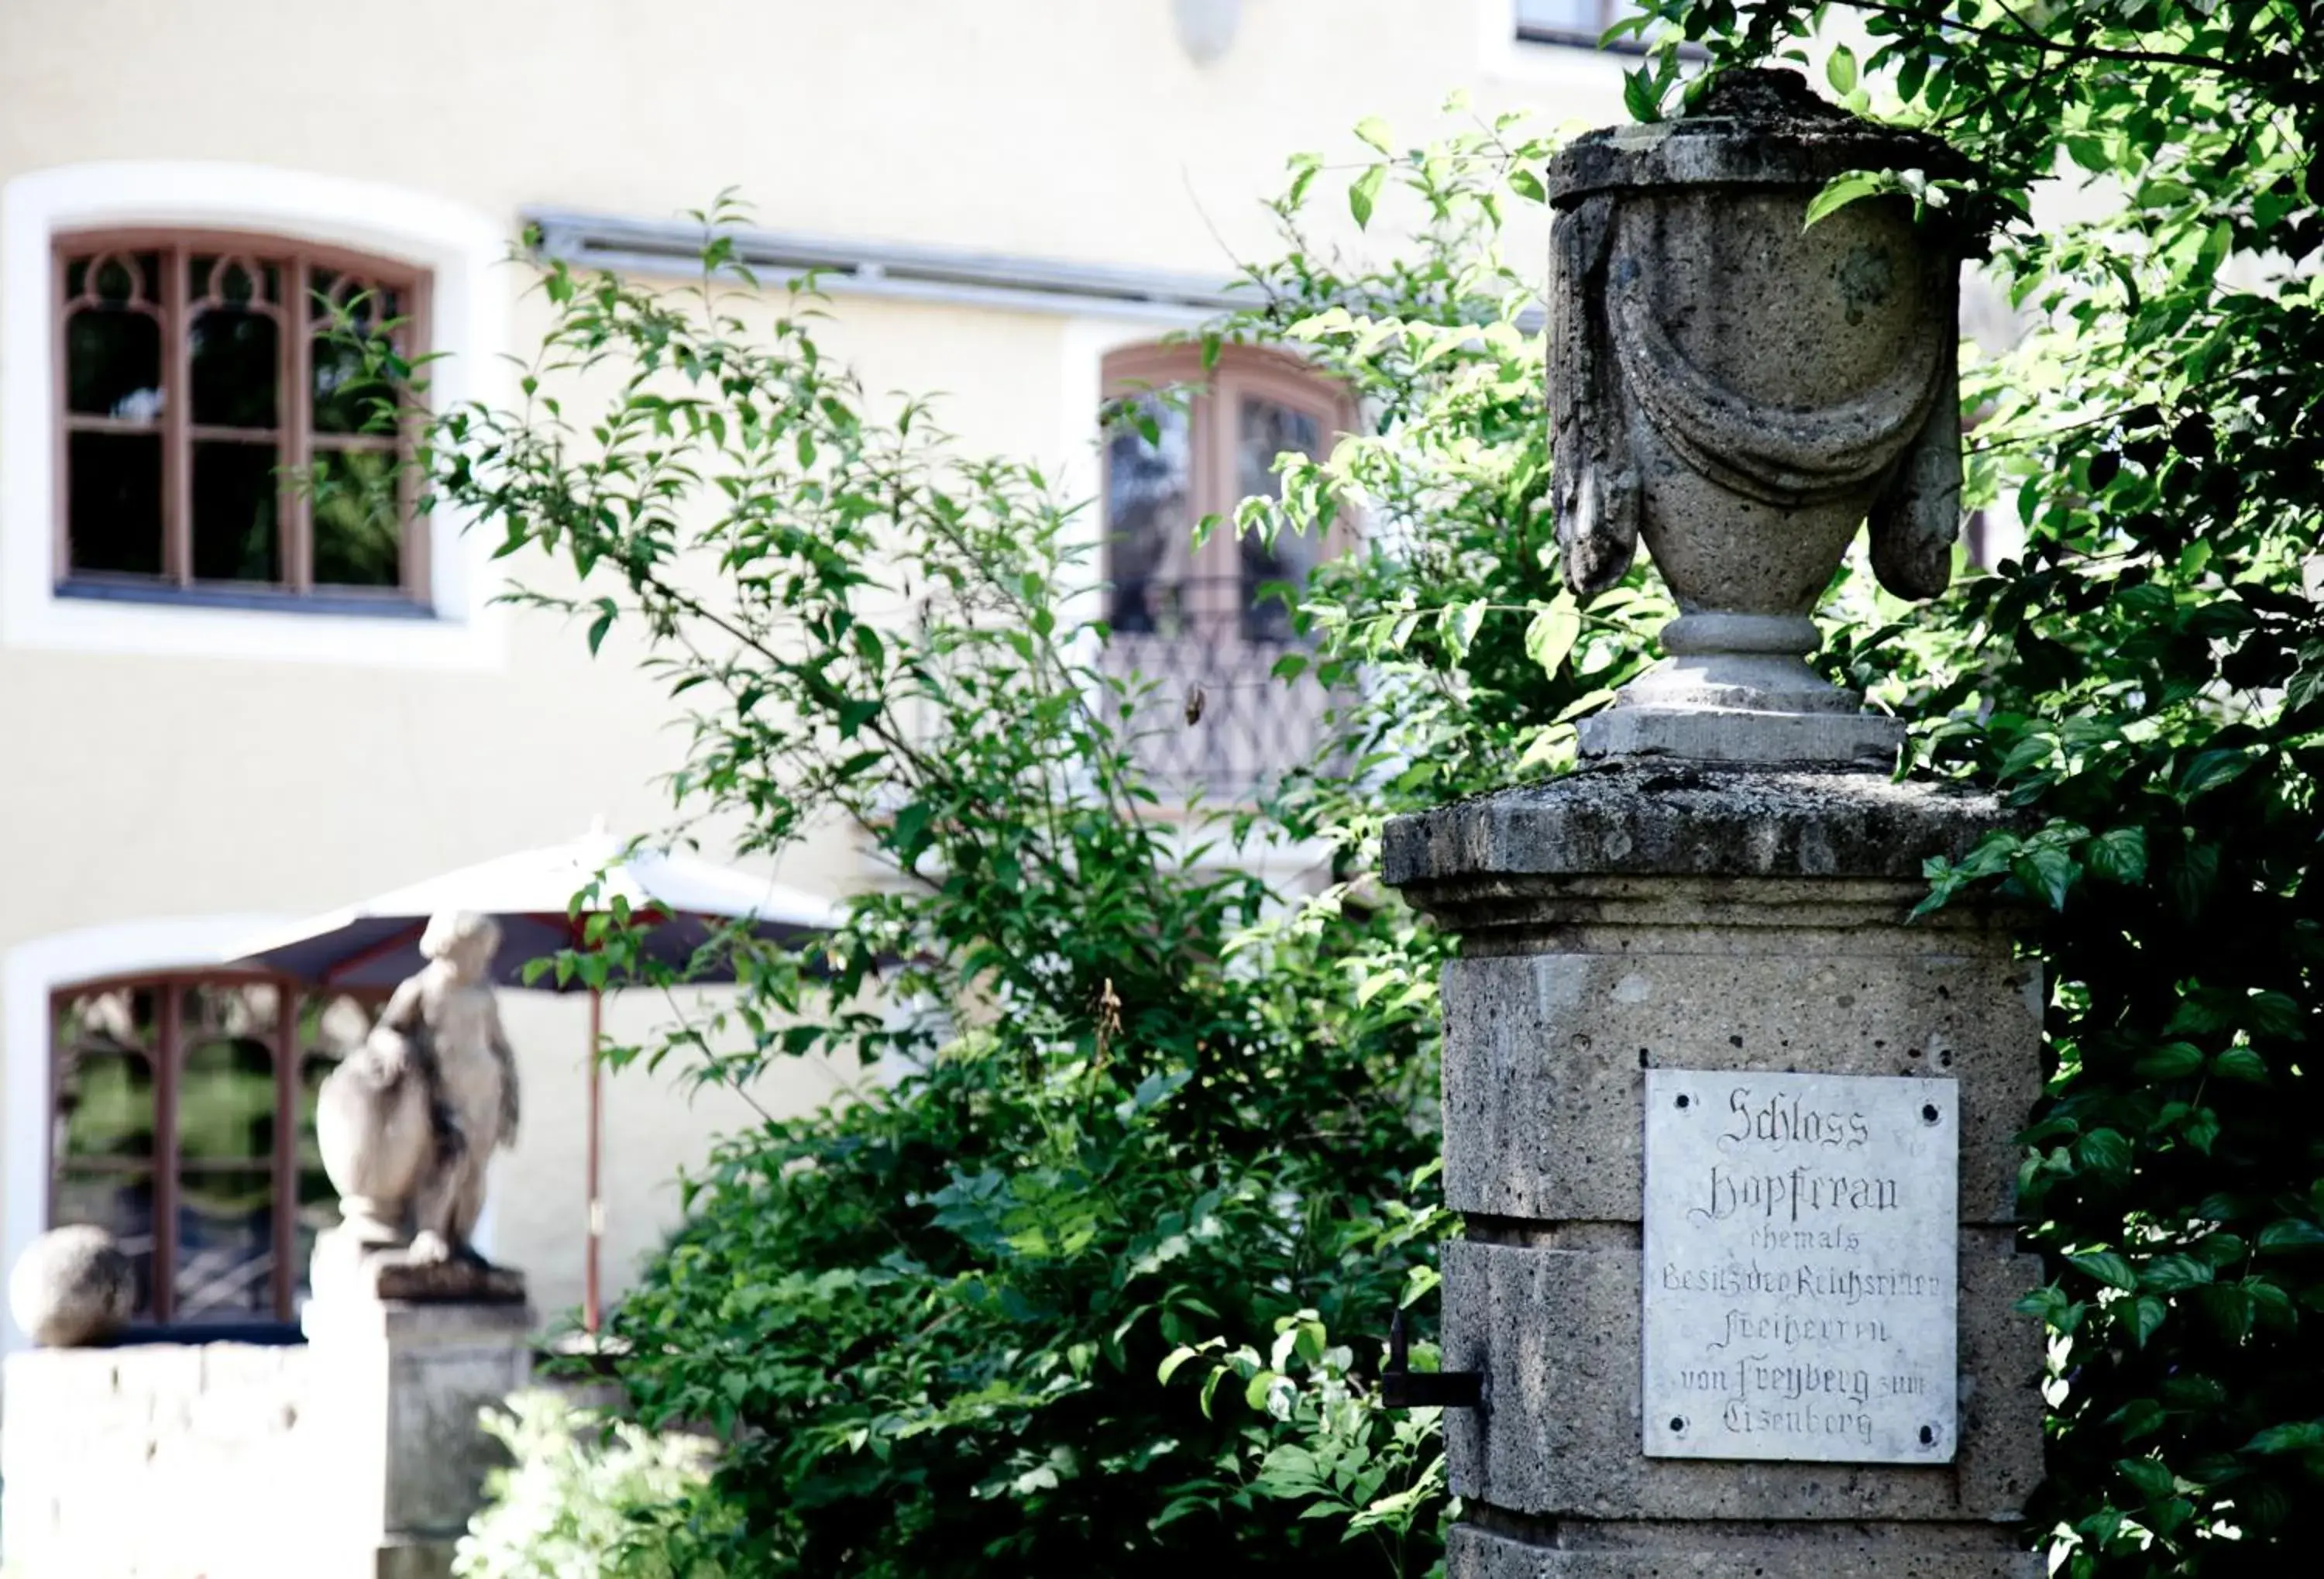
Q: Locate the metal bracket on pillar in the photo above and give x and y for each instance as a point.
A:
(1402, 1387)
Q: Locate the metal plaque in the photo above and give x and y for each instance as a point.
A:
(1801, 1267)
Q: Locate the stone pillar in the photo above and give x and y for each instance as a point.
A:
(397, 1385)
(1729, 1133)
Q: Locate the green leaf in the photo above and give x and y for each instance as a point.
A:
(2146, 1316)
(2210, 769)
(1373, 132)
(2173, 1061)
(1640, 96)
(1552, 633)
(1363, 192)
(2108, 1268)
(1841, 190)
(1839, 69)
(2241, 1063)
(2119, 855)
(2290, 1234)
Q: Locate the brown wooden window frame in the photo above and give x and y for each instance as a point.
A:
(294, 435)
(165, 1061)
(1242, 725)
(1213, 407)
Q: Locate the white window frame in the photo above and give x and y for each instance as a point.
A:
(470, 326)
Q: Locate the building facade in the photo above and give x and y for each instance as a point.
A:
(306, 700)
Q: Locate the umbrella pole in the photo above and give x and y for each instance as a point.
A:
(592, 1310)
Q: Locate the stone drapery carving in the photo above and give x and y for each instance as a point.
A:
(1740, 393)
(408, 1125)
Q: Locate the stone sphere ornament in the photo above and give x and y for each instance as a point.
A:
(72, 1286)
(1741, 390)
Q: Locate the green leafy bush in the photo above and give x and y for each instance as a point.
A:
(1094, 1277)
(586, 1495)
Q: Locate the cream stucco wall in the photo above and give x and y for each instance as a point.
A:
(145, 787)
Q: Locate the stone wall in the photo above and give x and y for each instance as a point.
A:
(156, 1462)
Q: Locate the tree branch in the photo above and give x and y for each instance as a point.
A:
(2025, 35)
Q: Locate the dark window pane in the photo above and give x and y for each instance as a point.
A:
(113, 364)
(105, 1050)
(235, 504)
(358, 521)
(237, 368)
(1264, 430)
(118, 277)
(113, 486)
(122, 1204)
(347, 398)
(1149, 527)
(225, 1245)
(234, 281)
(105, 1105)
(225, 1089)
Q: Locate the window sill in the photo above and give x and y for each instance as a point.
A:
(257, 1331)
(248, 600)
(1629, 44)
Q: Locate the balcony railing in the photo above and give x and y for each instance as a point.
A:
(1209, 714)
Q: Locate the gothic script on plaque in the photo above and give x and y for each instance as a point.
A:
(1800, 1268)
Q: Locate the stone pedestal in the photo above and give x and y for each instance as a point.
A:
(398, 1385)
(1683, 916)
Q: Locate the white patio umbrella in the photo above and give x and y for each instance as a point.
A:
(376, 943)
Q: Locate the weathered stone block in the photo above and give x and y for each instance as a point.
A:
(1556, 1329)
(1707, 1551)
(1544, 1054)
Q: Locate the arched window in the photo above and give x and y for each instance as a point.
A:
(1203, 621)
(182, 1120)
(200, 381)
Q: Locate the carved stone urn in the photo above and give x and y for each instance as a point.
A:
(1742, 390)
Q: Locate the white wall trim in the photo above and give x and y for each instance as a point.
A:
(29, 974)
(470, 320)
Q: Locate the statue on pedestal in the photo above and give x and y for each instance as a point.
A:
(409, 1124)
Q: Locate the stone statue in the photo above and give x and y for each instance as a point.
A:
(1741, 392)
(408, 1125)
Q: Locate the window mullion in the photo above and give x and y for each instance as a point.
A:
(296, 512)
(176, 398)
(412, 340)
